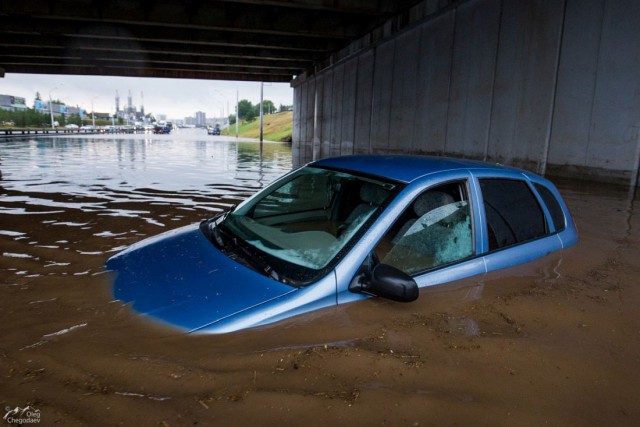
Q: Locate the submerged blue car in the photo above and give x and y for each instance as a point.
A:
(340, 230)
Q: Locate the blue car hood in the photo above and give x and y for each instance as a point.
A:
(181, 278)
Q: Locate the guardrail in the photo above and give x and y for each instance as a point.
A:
(43, 131)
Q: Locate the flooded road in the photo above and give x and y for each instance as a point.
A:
(554, 342)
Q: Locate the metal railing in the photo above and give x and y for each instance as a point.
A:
(42, 131)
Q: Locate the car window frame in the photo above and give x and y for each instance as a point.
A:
(467, 180)
(527, 179)
(482, 261)
(557, 198)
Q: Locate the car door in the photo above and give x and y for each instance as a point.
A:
(430, 233)
(516, 223)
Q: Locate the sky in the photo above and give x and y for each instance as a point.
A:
(175, 98)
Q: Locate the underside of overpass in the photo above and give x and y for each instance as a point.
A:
(548, 85)
(270, 40)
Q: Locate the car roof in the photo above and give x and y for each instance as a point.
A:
(405, 168)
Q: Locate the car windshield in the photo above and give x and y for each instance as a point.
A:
(308, 219)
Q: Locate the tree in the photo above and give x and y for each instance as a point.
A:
(232, 119)
(251, 116)
(26, 118)
(74, 119)
(244, 106)
(268, 107)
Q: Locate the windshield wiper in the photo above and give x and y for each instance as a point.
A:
(221, 237)
(259, 264)
(209, 227)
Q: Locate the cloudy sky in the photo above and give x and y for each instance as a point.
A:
(177, 98)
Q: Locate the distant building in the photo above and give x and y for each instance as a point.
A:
(190, 121)
(75, 111)
(103, 116)
(221, 121)
(129, 112)
(13, 103)
(201, 119)
(43, 107)
(161, 117)
(214, 121)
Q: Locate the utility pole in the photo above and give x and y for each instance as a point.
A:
(261, 110)
(237, 112)
(51, 107)
(93, 114)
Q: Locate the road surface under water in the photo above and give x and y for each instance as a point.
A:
(556, 341)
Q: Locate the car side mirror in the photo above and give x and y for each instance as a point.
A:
(387, 282)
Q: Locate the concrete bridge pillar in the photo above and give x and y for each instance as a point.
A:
(550, 86)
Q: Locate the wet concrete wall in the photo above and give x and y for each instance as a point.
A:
(551, 86)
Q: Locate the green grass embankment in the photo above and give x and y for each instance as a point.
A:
(276, 127)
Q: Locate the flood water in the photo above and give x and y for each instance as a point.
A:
(554, 342)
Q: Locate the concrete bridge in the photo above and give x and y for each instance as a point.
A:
(549, 85)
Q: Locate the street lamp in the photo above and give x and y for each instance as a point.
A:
(262, 108)
(261, 111)
(237, 107)
(225, 97)
(221, 105)
(50, 105)
(237, 111)
(93, 114)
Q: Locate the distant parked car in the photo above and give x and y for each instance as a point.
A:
(339, 230)
(214, 130)
(162, 129)
(71, 126)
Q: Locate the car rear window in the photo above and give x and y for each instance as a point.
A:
(557, 215)
(513, 213)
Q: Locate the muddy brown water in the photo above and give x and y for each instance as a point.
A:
(554, 342)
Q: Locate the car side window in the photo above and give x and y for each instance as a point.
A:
(434, 230)
(512, 211)
(557, 215)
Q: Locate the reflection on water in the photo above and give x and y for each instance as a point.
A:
(99, 171)
(73, 198)
(511, 347)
